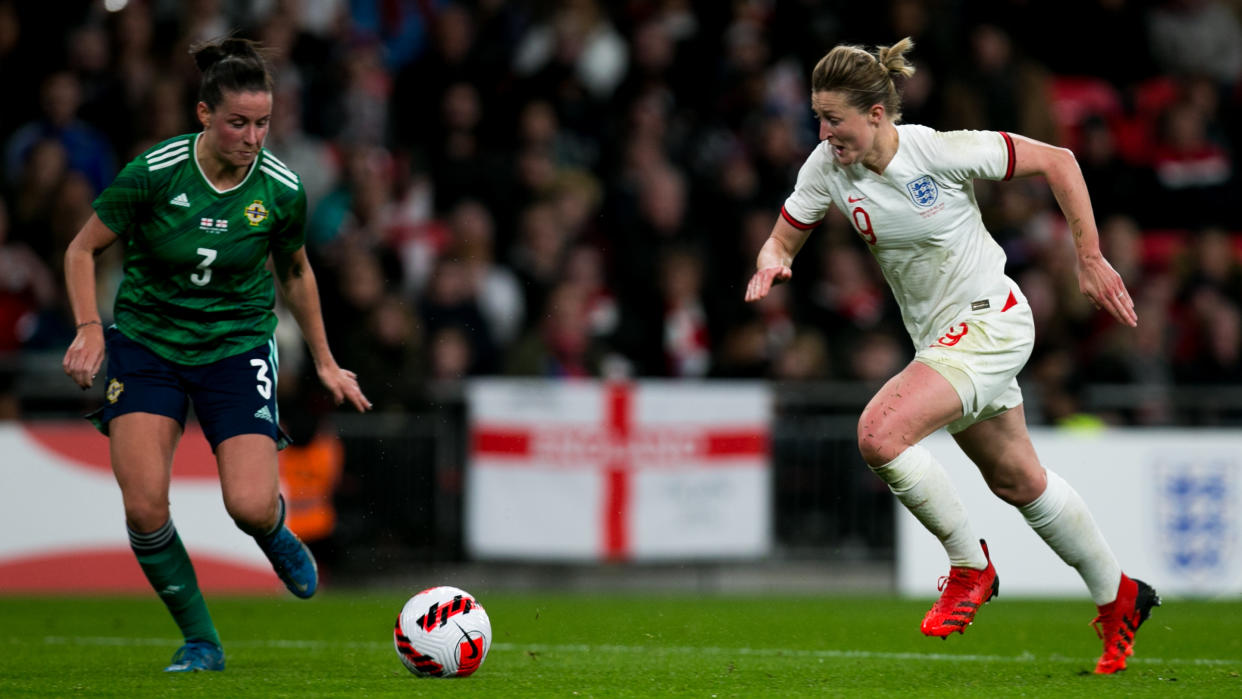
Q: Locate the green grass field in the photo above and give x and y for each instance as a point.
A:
(340, 644)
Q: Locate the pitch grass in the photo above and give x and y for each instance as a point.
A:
(340, 644)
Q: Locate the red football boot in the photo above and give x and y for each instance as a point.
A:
(1120, 619)
(963, 591)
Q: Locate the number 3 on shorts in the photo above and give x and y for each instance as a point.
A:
(265, 382)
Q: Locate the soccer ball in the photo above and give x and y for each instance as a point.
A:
(442, 632)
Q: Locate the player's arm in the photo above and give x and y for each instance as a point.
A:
(297, 286)
(775, 259)
(1096, 277)
(86, 353)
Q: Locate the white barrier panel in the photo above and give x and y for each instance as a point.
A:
(1168, 501)
(63, 522)
(586, 471)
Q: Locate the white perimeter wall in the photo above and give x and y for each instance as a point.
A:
(1168, 501)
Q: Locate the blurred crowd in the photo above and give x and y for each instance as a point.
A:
(567, 188)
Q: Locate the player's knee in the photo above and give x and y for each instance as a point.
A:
(874, 451)
(875, 443)
(252, 513)
(1014, 487)
(145, 515)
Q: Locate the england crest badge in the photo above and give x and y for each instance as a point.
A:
(923, 191)
(1198, 528)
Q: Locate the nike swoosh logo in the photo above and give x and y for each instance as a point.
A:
(474, 645)
(854, 199)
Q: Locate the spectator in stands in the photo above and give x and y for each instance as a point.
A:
(1114, 183)
(999, 88)
(496, 287)
(452, 356)
(135, 65)
(360, 287)
(1212, 354)
(584, 267)
(34, 195)
(1213, 260)
(875, 356)
(576, 46)
(1122, 241)
(27, 290)
(910, 189)
(687, 336)
(561, 344)
(452, 300)
(1193, 173)
(805, 358)
(11, 75)
(459, 156)
(1197, 36)
(451, 57)
(88, 152)
(390, 345)
(537, 256)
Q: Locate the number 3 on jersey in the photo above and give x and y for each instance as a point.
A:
(863, 223)
(201, 278)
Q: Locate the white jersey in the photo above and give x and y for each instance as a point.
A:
(920, 220)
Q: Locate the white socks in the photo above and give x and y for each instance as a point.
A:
(1059, 516)
(923, 486)
(1061, 519)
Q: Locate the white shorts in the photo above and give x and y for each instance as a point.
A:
(981, 356)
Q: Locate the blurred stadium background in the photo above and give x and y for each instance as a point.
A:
(577, 189)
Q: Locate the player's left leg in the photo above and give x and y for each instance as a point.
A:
(235, 400)
(1001, 448)
(249, 481)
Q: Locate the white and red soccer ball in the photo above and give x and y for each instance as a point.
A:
(442, 632)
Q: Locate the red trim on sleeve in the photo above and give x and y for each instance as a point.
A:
(798, 224)
(1009, 147)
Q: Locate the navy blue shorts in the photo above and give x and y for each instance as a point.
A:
(236, 395)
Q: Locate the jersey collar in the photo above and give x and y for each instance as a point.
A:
(207, 181)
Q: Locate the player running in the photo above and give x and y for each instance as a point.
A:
(199, 215)
(909, 192)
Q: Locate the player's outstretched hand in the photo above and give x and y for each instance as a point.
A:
(761, 283)
(343, 385)
(1100, 282)
(85, 355)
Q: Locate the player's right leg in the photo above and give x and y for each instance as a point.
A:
(910, 406)
(142, 445)
(143, 416)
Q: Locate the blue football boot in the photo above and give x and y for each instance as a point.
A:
(197, 656)
(293, 562)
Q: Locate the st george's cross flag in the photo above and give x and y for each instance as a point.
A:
(593, 471)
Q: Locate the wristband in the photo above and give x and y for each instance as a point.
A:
(90, 322)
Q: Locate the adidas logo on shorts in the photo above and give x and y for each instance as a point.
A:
(264, 414)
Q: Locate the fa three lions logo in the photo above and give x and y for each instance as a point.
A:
(923, 191)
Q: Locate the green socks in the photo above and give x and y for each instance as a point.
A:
(170, 572)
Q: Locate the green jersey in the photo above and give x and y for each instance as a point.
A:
(196, 287)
